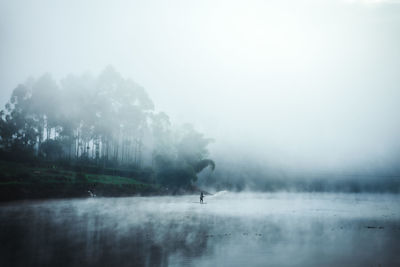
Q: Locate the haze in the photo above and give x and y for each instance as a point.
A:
(302, 84)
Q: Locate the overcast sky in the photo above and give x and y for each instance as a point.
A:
(303, 83)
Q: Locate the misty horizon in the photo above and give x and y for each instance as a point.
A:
(300, 86)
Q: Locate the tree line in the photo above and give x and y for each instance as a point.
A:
(103, 121)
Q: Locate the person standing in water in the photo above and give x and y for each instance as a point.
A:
(201, 197)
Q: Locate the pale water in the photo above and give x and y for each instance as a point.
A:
(244, 229)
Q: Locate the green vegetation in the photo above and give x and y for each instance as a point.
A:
(18, 180)
(12, 172)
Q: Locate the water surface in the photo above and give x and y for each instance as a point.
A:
(245, 229)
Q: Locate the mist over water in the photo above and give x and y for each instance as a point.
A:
(279, 229)
(287, 110)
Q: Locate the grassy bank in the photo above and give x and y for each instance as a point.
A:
(24, 181)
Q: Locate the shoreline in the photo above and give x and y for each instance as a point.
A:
(60, 191)
(24, 181)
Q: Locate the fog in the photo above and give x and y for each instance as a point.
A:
(298, 86)
(284, 114)
(230, 230)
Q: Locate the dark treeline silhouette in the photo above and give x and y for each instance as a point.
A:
(104, 123)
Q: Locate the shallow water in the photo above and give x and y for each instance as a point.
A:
(245, 229)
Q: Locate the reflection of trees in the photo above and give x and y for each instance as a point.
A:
(96, 240)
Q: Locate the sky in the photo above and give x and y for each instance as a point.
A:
(304, 84)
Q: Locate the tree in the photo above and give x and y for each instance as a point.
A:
(179, 166)
(18, 129)
(51, 149)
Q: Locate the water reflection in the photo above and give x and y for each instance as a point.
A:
(231, 230)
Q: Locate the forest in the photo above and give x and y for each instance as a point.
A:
(103, 124)
(87, 131)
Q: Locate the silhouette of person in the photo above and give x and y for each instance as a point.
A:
(201, 197)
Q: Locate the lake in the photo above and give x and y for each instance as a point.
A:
(231, 229)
